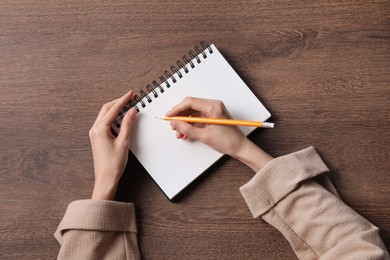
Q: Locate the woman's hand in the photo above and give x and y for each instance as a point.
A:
(225, 139)
(110, 153)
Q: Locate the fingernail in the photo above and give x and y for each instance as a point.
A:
(131, 113)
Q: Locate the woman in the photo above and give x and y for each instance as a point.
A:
(311, 216)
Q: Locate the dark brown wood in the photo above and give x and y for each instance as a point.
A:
(321, 67)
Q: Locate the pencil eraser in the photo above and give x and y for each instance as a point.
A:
(268, 125)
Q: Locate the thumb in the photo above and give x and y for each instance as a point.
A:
(187, 130)
(127, 126)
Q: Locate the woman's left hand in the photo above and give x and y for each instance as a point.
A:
(110, 153)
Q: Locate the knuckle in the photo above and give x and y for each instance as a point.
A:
(186, 130)
(96, 131)
(188, 99)
(92, 132)
(218, 107)
(105, 106)
(219, 102)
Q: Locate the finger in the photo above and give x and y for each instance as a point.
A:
(127, 126)
(116, 108)
(103, 111)
(179, 135)
(198, 104)
(187, 131)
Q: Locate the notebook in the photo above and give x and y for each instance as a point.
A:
(173, 163)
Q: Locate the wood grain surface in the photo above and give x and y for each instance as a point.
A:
(321, 67)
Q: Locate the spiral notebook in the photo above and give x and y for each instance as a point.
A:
(204, 72)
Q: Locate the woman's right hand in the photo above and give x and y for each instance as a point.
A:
(225, 139)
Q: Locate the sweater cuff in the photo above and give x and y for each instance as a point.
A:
(98, 215)
(280, 177)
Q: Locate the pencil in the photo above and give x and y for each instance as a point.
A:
(219, 121)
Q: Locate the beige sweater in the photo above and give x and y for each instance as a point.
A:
(311, 217)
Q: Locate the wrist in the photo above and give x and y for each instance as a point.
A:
(252, 155)
(104, 190)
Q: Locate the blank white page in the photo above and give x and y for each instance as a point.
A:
(173, 163)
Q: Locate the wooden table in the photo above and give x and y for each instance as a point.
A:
(321, 67)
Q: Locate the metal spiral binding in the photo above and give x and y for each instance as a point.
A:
(186, 63)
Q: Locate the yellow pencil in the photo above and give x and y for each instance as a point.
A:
(219, 121)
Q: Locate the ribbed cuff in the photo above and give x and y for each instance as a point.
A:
(279, 177)
(98, 215)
